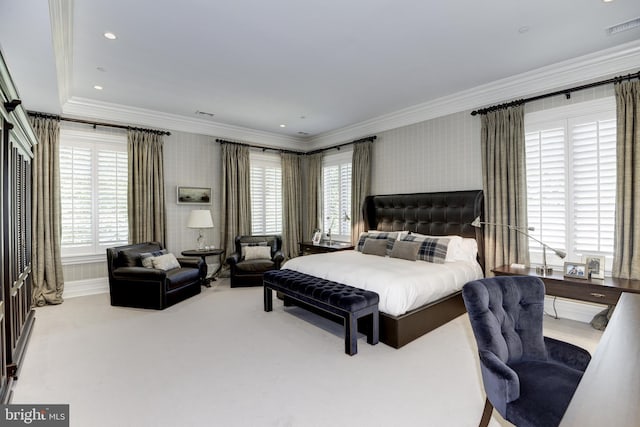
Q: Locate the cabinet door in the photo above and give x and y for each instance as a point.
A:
(4, 379)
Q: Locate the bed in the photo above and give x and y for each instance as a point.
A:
(433, 214)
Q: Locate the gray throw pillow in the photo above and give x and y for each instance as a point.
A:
(375, 247)
(405, 250)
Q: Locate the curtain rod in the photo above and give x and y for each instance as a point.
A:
(94, 123)
(565, 92)
(279, 150)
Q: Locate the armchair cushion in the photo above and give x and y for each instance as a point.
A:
(257, 252)
(165, 262)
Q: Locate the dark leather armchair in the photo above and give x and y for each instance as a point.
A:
(132, 285)
(248, 272)
(528, 378)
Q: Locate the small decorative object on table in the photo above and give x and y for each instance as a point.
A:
(317, 236)
(595, 266)
(577, 270)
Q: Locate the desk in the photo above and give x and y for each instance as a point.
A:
(601, 291)
(204, 253)
(609, 390)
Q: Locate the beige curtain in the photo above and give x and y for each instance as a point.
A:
(360, 185)
(147, 216)
(505, 187)
(291, 204)
(313, 195)
(236, 196)
(626, 253)
(48, 282)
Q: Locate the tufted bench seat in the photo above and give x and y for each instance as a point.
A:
(342, 300)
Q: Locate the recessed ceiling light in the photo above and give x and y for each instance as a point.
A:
(98, 87)
(607, 1)
(101, 69)
(523, 29)
(110, 35)
(204, 113)
(303, 133)
(283, 126)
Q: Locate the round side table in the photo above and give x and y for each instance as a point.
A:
(204, 253)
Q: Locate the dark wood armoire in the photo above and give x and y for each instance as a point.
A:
(16, 311)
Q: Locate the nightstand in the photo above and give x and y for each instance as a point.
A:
(308, 248)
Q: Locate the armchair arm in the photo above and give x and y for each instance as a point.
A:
(139, 273)
(277, 258)
(233, 259)
(190, 262)
(501, 383)
(568, 354)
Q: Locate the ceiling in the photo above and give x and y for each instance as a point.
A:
(314, 66)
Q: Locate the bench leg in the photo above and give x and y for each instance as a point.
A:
(351, 335)
(268, 299)
(373, 336)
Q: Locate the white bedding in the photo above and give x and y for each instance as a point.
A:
(402, 285)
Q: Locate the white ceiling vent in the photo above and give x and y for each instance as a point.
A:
(615, 29)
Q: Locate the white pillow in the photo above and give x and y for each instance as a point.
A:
(165, 262)
(257, 252)
(459, 249)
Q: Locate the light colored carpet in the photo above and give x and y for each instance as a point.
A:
(218, 359)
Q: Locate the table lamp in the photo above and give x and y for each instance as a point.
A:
(200, 218)
(543, 269)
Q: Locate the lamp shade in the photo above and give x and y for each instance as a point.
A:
(200, 218)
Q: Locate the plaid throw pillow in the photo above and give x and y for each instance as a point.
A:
(431, 249)
(390, 237)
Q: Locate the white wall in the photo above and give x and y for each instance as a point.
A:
(441, 154)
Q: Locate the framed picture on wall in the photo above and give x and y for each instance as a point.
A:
(194, 195)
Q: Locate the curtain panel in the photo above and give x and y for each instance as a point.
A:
(146, 198)
(236, 196)
(291, 204)
(313, 195)
(626, 253)
(505, 187)
(360, 185)
(48, 281)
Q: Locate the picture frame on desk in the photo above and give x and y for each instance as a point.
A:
(595, 266)
(576, 270)
(317, 236)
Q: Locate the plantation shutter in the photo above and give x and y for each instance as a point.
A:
(336, 187)
(571, 179)
(266, 193)
(112, 198)
(76, 197)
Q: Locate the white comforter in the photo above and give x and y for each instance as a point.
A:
(402, 285)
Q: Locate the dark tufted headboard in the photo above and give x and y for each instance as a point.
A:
(436, 214)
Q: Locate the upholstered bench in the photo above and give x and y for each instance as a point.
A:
(342, 300)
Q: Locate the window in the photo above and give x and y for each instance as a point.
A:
(571, 179)
(93, 190)
(336, 195)
(266, 193)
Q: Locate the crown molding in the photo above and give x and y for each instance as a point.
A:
(61, 17)
(618, 60)
(92, 109)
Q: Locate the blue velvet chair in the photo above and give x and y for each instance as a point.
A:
(528, 378)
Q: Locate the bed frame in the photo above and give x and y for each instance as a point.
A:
(435, 214)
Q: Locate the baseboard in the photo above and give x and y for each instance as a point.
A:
(572, 309)
(79, 288)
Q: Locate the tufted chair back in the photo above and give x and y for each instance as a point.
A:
(506, 316)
